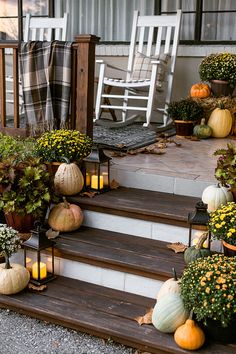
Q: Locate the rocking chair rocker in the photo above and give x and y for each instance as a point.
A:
(150, 66)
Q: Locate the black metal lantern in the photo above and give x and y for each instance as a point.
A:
(38, 242)
(97, 171)
(199, 219)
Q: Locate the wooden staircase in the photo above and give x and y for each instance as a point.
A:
(110, 270)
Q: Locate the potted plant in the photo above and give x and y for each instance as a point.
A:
(13, 277)
(225, 171)
(222, 225)
(208, 288)
(18, 147)
(27, 191)
(220, 70)
(185, 114)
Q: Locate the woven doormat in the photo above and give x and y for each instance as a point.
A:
(125, 138)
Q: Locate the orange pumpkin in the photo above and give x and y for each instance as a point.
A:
(200, 90)
(65, 217)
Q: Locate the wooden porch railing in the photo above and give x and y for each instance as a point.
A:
(82, 92)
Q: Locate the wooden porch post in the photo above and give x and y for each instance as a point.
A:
(83, 83)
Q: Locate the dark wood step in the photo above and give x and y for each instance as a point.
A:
(102, 312)
(127, 253)
(141, 204)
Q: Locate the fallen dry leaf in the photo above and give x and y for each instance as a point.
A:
(120, 146)
(114, 184)
(178, 247)
(118, 154)
(50, 233)
(146, 319)
(33, 287)
(89, 194)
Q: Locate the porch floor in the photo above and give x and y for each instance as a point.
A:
(193, 160)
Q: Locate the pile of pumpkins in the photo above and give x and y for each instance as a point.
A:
(220, 121)
(170, 316)
(68, 180)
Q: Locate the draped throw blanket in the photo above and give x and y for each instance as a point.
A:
(46, 83)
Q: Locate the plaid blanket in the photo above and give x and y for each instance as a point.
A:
(46, 82)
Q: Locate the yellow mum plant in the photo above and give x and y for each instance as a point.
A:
(222, 223)
(208, 287)
(56, 144)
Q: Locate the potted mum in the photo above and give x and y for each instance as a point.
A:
(13, 277)
(220, 70)
(208, 288)
(185, 114)
(222, 224)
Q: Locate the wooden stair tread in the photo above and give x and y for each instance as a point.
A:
(132, 254)
(141, 204)
(99, 311)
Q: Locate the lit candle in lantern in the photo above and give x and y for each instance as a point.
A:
(88, 179)
(94, 182)
(42, 270)
(105, 178)
(28, 264)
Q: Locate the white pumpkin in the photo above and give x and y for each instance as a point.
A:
(68, 179)
(215, 195)
(170, 286)
(14, 279)
(169, 313)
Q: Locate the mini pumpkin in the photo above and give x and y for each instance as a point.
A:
(220, 122)
(170, 286)
(215, 195)
(200, 90)
(68, 179)
(65, 217)
(169, 313)
(189, 335)
(14, 279)
(202, 131)
(197, 251)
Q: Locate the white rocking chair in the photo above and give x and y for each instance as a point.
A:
(149, 64)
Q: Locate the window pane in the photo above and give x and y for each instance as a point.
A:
(172, 5)
(187, 27)
(109, 19)
(35, 7)
(219, 27)
(8, 28)
(8, 8)
(219, 5)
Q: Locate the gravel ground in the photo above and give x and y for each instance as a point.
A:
(20, 334)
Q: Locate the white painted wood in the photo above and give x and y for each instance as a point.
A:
(164, 25)
(44, 25)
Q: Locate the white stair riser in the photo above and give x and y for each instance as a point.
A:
(109, 278)
(98, 275)
(136, 227)
(159, 183)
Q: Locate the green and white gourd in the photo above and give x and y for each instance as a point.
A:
(169, 313)
(202, 131)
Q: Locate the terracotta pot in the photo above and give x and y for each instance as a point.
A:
(221, 88)
(20, 222)
(52, 167)
(184, 128)
(229, 250)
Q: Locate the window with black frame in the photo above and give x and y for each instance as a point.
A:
(203, 20)
(12, 14)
